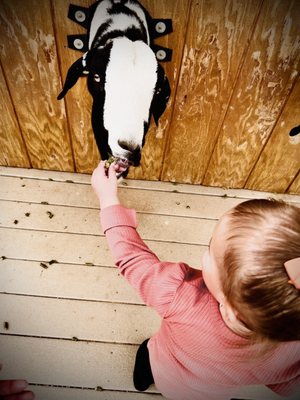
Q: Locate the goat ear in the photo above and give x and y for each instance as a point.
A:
(74, 73)
(161, 95)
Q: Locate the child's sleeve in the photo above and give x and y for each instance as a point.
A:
(155, 281)
(289, 388)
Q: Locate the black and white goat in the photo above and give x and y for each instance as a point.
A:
(126, 82)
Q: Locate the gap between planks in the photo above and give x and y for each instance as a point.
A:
(88, 393)
(85, 179)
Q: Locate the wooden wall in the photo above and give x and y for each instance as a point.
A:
(235, 93)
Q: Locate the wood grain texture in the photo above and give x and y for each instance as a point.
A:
(65, 219)
(279, 162)
(156, 139)
(217, 37)
(69, 281)
(150, 187)
(28, 56)
(85, 320)
(64, 393)
(295, 186)
(59, 393)
(69, 249)
(78, 100)
(13, 151)
(234, 87)
(164, 203)
(68, 363)
(266, 79)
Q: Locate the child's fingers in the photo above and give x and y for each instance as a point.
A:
(12, 386)
(97, 175)
(112, 171)
(101, 167)
(100, 170)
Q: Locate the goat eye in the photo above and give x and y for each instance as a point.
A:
(96, 78)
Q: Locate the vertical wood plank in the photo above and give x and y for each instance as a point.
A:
(218, 34)
(279, 162)
(28, 56)
(78, 100)
(156, 139)
(13, 152)
(268, 74)
(295, 186)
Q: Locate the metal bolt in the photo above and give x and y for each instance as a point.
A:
(161, 55)
(80, 16)
(160, 27)
(78, 43)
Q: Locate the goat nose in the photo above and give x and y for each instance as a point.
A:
(133, 152)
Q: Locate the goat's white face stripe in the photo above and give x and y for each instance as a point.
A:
(131, 76)
(100, 17)
(122, 22)
(119, 21)
(140, 13)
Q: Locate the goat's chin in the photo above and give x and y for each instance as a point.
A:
(120, 180)
(122, 165)
(122, 175)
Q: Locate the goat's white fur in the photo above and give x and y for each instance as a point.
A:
(140, 13)
(119, 21)
(131, 77)
(100, 16)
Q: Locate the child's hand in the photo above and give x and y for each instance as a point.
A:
(15, 390)
(105, 185)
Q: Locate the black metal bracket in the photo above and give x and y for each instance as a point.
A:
(82, 16)
(79, 14)
(160, 27)
(78, 42)
(162, 53)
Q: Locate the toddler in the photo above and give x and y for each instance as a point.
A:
(236, 322)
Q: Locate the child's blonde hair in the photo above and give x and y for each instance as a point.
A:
(263, 235)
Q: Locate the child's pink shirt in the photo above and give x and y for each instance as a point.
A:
(193, 356)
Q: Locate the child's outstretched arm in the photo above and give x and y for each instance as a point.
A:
(155, 281)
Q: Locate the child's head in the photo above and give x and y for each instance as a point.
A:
(245, 268)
